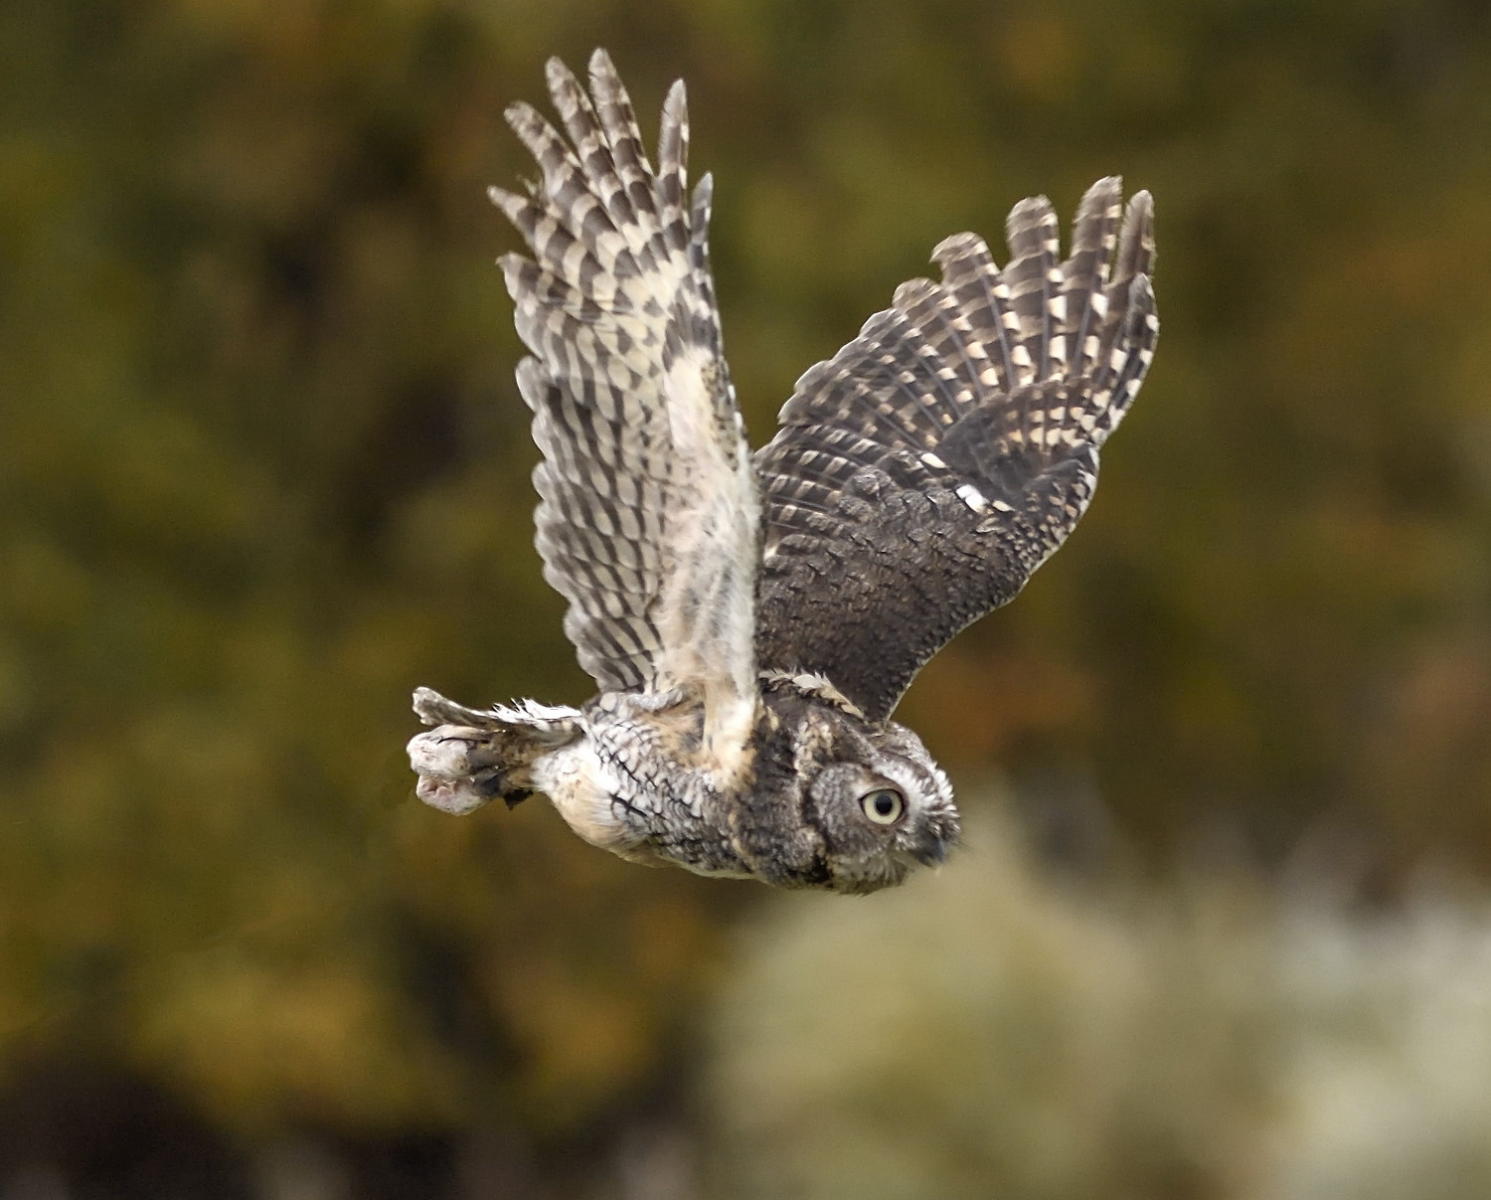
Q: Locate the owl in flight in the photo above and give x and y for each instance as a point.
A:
(751, 620)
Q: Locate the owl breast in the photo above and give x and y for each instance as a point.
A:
(576, 780)
(633, 785)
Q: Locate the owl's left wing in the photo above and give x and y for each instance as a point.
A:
(922, 474)
(649, 506)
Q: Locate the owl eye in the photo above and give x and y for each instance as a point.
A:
(884, 806)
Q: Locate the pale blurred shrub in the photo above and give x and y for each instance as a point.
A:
(992, 1032)
(1385, 1089)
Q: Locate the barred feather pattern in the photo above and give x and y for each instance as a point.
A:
(647, 522)
(924, 472)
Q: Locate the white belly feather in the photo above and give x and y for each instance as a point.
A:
(582, 789)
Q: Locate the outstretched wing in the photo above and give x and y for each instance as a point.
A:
(922, 474)
(648, 516)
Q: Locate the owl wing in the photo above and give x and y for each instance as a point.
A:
(925, 471)
(647, 521)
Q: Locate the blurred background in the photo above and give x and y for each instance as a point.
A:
(1222, 927)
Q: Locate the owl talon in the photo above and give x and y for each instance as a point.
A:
(498, 782)
(461, 768)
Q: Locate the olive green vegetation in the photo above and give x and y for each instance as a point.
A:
(264, 469)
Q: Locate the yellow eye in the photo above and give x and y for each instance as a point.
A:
(884, 806)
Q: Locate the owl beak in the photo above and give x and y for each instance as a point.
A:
(937, 835)
(930, 850)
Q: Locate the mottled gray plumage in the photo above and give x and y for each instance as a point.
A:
(751, 623)
(922, 474)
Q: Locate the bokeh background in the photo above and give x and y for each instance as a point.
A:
(1222, 929)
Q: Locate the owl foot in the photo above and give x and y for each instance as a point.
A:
(460, 768)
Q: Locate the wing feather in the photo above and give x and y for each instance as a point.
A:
(1033, 280)
(647, 521)
(922, 474)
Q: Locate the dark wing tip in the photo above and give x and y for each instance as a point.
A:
(957, 246)
(1137, 241)
(605, 80)
(1033, 212)
(1103, 197)
(519, 114)
(673, 134)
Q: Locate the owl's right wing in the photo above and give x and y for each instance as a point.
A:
(922, 474)
(647, 521)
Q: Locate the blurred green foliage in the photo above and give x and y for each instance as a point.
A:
(264, 469)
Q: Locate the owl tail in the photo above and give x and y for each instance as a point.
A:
(471, 756)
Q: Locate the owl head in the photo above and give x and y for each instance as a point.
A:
(870, 803)
(882, 806)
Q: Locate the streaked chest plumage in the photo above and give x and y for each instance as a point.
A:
(633, 783)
